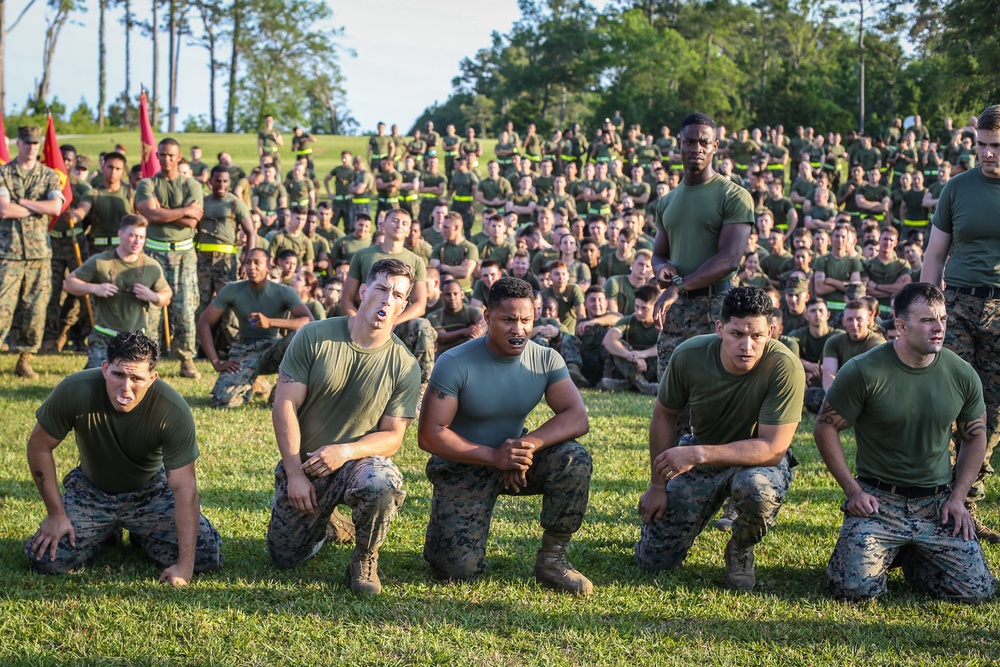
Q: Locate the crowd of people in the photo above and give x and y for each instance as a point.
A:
(675, 267)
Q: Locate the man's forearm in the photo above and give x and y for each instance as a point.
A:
(43, 472)
(379, 443)
(832, 452)
(567, 425)
(968, 464)
(287, 432)
(662, 433)
(187, 514)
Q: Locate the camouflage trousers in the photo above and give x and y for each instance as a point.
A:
(420, 338)
(256, 357)
(932, 559)
(63, 310)
(372, 487)
(342, 214)
(814, 399)
(180, 269)
(590, 358)
(358, 209)
(215, 271)
(620, 368)
(147, 514)
(97, 348)
(28, 283)
(693, 499)
(427, 205)
(464, 497)
(974, 334)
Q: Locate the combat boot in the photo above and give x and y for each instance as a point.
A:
(261, 387)
(48, 347)
(362, 572)
(983, 532)
(740, 573)
(645, 387)
(189, 371)
(576, 375)
(23, 368)
(725, 522)
(610, 384)
(553, 570)
(340, 528)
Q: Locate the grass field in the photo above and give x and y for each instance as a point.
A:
(115, 613)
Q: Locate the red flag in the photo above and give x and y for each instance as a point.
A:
(4, 152)
(52, 157)
(150, 163)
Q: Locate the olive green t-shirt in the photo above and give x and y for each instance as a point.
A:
(170, 193)
(442, 319)
(838, 268)
(363, 260)
(903, 416)
(222, 219)
(108, 210)
(346, 246)
(621, 294)
(771, 393)
(811, 347)
(568, 302)
(123, 311)
(120, 451)
(269, 195)
(299, 191)
(637, 335)
(843, 349)
(495, 394)
(501, 253)
(692, 217)
(272, 300)
(301, 244)
(967, 210)
(453, 254)
(348, 388)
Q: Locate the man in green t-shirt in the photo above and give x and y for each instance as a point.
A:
(269, 140)
(261, 308)
(702, 229)
(584, 350)
(455, 256)
(857, 338)
(125, 284)
(174, 205)
(964, 250)
(757, 384)
(631, 346)
(906, 500)
(455, 322)
(343, 175)
(137, 446)
(812, 337)
(347, 391)
(472, 424)
(380, 146)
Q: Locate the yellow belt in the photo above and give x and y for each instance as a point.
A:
(341, 197)
(744, 167)
(363, 200)
(567, 158)
(388, 200)
(450, 153)
(408, 198)
(429, 195)
(304, 151)
(217, 247)
(104, 330)
(775, 167)
(462, 198)
(916, 223)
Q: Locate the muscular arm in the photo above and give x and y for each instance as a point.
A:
(42, 464)
(300, 316)
(938, 249)
(385, 441)
(417, 306)
(185, 216)
(187, 513)
(967, 466)
(732, 243)
(829, 366)
(349, 293)
(26, 207)
(435, 436)
(829, 424)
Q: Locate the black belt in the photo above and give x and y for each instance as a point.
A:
(712, 290)
(905, 491)
(984, 292)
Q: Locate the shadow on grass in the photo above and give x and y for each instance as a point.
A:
(31, 393)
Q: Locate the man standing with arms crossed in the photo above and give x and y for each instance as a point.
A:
(702, 228)
(964, 251)
(29, 194)
(174, 206)
(347, 390)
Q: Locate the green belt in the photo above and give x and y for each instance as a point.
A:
(916, 223)
(342, 197)
(165, 246)
(853, 214)
(408, 198)
(783, 226)
(269, 213)
(567, 158)
(68, 234)
(104, 330)
(829, 166)
(931, 172)
(775, 167)
(363, 200)
(606, 210)
(504, 161)
(603, 159)
(217, 247)
(836, 305)
(304, 151)
(535, 158)
(432, 152)
(302, 202)
(462, 198)
(388, 200)
(106, 240)
(379, 156)
(742, 167)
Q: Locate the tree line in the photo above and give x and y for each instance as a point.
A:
(748, 63)
(278, 57)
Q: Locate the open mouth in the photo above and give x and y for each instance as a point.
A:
(123, 400)
(518, 341)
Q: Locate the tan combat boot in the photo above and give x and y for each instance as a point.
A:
(740, 573)
(189, 371)
(23, 368)
(262, 388)
(340, 528)
(983, 532)
(576, 375)
(553, 570)
(362, 572)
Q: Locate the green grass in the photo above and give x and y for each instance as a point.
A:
(115, 613)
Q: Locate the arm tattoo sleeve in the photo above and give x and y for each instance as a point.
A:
(975, 428)
(827, 415)
(285, 378)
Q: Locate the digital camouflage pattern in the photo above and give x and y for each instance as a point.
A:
(420, 338)
(180, 269)
(464, 497)
(260, 356)
(147, 514)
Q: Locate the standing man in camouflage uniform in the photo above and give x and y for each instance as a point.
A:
(963, 250)
(702, 229)
(472, 424)
(905, 499)
(362, 190)
(174, 206)
(269, 141)
(30, 193)
(758, 384)
(346, 394)
(380, 147)
(137, 445)
(341, 196)
(262, 308)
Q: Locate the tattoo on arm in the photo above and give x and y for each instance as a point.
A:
(827, 415)
(285, 378)
(970, 430)
(441, 395)
(39, 478)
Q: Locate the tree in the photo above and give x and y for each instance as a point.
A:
(54, 23)
(211, 17)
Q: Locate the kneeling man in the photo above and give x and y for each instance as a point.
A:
(347, 390)
(472, 422)
(137, 446)
(906, 500)
(745, 390)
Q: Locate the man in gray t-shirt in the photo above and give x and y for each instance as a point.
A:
(472, 423)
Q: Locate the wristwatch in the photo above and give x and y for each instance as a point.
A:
(678, 282)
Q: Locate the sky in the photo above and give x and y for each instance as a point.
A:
(387, 35)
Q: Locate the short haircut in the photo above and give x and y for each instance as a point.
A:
(643, 252)
(989, 119)
(627, 233)
(456, 217)
(114, 156)
(649, 293)
(220, 169)
(594, 289)
(912, 292)
(286, 253)
(815, 301)
(857, 304)
(743, 302)
(169, 142)
(508, 288)
(556, 264)
(698, 119)
(258, 250)
(389, 267)
(300, 210)
(133, 220)
(362, 216)
(133, 346)
(489, 264)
